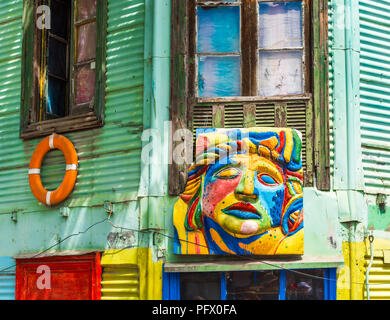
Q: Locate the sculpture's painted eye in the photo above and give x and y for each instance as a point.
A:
(228, 173)
(267, 180)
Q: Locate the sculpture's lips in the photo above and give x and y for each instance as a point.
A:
(243, 211)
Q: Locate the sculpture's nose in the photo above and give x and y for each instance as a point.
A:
(245, 188)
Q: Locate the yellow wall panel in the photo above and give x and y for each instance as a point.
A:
(131, 274)
(350, 277)
(379, 275)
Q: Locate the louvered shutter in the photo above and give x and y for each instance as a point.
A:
(295, 114)
(296, 118)
(234, 116)
(265, 115)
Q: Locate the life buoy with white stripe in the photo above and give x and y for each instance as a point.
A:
(60, 142)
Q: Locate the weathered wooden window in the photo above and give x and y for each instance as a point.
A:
(244, 63)
(63, 66)
(242, 41)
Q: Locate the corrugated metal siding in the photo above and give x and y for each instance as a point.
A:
(109, 157)
(120, 282)
(7, 286)
(7, 279)
(265, 116)
(375, 93)
(379, 277)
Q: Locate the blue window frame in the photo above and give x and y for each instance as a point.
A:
(171, 284)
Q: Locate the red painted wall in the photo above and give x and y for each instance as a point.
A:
(71, 278)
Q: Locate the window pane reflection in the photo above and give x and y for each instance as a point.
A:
(219, 76)
(280, 73)
(86, 9)
(280, 25)
(301, 287)
(56, 97)
(86, 42)
(200, 286)
(253, 285)
(219, 29)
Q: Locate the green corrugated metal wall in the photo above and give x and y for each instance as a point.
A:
(375, 93)
(109, 157)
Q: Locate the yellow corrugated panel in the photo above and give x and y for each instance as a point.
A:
(379, 276)
(120, 282)
(131, 274)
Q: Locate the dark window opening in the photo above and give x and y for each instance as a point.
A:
(302, 287)
(63, 67)
(204, 287)
(302, 284)
(253, 285)
(53, 54)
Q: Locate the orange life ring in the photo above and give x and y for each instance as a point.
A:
(60, 142)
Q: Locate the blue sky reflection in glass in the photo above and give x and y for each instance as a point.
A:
(218, 33)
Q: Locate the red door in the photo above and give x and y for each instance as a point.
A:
(59, 278)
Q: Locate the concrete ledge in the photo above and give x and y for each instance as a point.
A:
(256, 263)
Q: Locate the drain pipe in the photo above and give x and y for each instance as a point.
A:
(348, 181)
(371, 240)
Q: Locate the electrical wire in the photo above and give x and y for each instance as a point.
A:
(108, 219)
(59, 242)
(240, 256)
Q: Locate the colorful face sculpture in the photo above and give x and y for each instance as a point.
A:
(243, 194)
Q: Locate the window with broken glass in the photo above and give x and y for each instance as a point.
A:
(63, 58)
(246, 63)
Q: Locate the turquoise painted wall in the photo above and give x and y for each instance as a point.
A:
(109, 157)
(137, 97)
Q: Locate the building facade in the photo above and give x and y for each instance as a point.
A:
(126, 81)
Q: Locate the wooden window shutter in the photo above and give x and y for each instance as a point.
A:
(30, 125)
(295, 114)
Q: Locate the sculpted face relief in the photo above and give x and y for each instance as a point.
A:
(243, 194)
